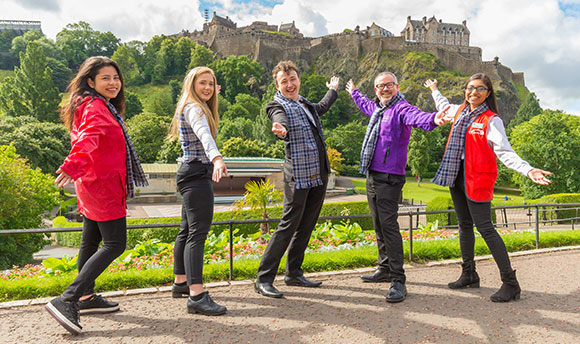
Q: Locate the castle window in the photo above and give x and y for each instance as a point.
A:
(373, 32)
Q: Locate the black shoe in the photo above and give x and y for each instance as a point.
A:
(397, 292)
(267, 289)
(66, 313)
(205, 306)
(97, 304)
(510, 289)
(377, 276)
(179, 290)
(301, 281)
(469, 277)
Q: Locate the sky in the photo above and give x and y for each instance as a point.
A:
(538, 37)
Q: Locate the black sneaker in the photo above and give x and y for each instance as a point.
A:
(66, 313)
(97, 304)
(205, 306)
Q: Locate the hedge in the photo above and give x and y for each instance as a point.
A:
(445, 203)
(168, 234)
(556, 212)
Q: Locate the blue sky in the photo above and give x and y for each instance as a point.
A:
(538, 37)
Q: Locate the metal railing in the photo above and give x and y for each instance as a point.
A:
(550, 214)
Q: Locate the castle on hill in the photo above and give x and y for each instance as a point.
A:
(267, 44)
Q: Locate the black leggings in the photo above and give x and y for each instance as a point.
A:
(196, 188)
(93, 261)
(478, 213)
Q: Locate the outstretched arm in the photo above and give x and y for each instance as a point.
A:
(365, 105)
(329, 98)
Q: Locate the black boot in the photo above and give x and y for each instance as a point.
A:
(469, 277)
(510, 289)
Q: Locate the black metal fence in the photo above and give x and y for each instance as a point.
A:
(528, 216)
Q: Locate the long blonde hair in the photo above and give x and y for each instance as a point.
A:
(188, 96)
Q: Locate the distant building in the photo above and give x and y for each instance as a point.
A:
(291, 29)
(436, 32)
(375, 30)
(20, 26)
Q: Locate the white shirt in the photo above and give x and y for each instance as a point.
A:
(496, 138)
(195, 117)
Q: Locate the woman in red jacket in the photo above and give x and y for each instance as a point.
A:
(105, 169)
(469, 168)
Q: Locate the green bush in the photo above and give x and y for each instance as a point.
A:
(557, 212)
(445, 203)
(168, 234)
(26, 195)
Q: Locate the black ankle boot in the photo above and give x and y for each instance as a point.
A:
(205, 306)
(469, 277)
(510, 289)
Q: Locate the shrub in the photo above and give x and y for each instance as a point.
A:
(557, 212)
(444, 219)
(26, 195)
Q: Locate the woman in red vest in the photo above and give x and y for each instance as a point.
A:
(469, 168)
(105, 169)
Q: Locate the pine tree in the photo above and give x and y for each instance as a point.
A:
(30, 91)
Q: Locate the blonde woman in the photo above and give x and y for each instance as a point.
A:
(195, 122)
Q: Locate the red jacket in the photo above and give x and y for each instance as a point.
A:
(97, 162)
(480, 163)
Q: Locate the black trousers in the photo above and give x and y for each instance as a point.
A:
(383, 194)
(300, 213)
(92, 260)
(471, 213)
(196, 188)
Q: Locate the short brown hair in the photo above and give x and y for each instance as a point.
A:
(286, 67)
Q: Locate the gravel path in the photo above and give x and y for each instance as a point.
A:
(343, 310)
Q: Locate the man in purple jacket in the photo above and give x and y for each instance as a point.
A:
(383, 160)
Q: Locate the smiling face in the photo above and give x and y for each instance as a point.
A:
(107, 82)
(474, 96)
(288, 84)
(386, 87)
(204, 86)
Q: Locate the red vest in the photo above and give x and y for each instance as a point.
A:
(480, 163)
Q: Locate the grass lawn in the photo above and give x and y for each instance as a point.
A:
(427, 191)
(146, 93)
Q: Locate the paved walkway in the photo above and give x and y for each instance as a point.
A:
(343, 310)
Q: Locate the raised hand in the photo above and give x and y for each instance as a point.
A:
(218, 88)
(443, 116)
(333, 83)
(219, 169)
(432, 84)
(279, 130)
(349, 86)
(539, 176)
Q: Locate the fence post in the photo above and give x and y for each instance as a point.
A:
(537, 227)
(574, 219)
(231, 250)
(448, 217)
(410, 236)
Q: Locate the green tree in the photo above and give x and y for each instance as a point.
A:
(348, 139)
(127, 58)
(49, 48)
(78, 41)
(550, 141)
(170, 151)
(258, 195)
(183, 47)
(419, 155)
(239, 147)
(44, 145)
(252, 105)
(26, 195)
(161, 104)
(229, 128)
(133, 105)
(147, 131)
(61, 74)
(175, 87)
(530, 108)
(30, 91)
(200, 56)
(236, 74)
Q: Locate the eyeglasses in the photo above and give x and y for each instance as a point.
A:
(388, 85)
(479, 89)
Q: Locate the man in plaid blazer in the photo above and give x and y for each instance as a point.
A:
(296, 121)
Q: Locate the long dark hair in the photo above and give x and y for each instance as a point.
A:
(490, 100)
(79, 87)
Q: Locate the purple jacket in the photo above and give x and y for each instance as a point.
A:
(393, 143)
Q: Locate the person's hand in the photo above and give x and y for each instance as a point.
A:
(279, 130)
(349, 86)
(443, 117)
(219, 169)
(63, 179)
(539, 176)
(218, 88)
(432, 84)
(333, 83)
